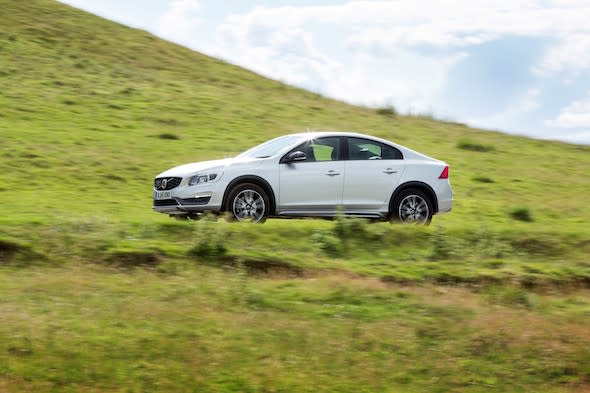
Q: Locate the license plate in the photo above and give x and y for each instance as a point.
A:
(162, 195)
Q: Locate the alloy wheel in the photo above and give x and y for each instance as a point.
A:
(413, 209)
(248, 205)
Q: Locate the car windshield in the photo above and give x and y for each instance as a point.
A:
(272, 147)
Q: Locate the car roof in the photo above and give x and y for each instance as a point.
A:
(317, 134)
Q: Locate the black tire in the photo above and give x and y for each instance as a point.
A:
(255, 210)
(409, 207)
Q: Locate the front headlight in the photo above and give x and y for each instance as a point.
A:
(199, 179)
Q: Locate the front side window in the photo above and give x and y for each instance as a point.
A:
(364, 149)
(321, 149)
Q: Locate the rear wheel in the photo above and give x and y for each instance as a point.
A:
(412, 206)
(248, 203)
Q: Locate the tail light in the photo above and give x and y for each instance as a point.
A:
(445, 173)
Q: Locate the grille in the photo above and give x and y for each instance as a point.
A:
(165, 202)
(167, 183)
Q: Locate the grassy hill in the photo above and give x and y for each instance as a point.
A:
(493, 296)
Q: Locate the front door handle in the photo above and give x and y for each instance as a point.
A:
(332, 173)
(389, 171)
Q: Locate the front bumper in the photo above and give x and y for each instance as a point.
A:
(181, 206)
(189, 199)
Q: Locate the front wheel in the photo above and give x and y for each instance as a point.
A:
(412, 206)
(248, 203)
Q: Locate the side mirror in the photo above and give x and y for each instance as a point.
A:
(295, 156)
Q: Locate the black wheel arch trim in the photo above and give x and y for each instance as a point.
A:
(255, 180)
(419, 185)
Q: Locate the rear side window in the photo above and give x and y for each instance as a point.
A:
(364, 149)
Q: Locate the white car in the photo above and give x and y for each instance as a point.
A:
(314, 174)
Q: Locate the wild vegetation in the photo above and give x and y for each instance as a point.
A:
(98, 293)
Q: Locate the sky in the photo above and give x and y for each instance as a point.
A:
(519, 66)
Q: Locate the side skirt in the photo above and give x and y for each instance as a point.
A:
(328, 214)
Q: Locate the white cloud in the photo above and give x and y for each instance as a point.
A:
(575, 115)
(377, 49)
(179, 20)
(286, 54)
(571, 54)
(440, 23)
(573, 137)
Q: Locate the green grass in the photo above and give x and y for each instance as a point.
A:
(98, 293)
(85, 328)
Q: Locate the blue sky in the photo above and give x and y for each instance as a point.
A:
(520, 66)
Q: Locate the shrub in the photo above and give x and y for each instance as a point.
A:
(208, 249)
(521, 214)
(350, 228)
(336, 242)
(489, 245)
(425, 116)
(483, 179)
(441, 245)
(466, 144)
(168, 136)
(328, 243)
(387, 111)
(209, 240)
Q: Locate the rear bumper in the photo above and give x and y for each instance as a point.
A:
(445, 206)
(444, 194)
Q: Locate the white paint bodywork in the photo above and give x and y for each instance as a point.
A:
(322, 188)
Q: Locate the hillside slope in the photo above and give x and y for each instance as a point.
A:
(83, 100)
(98, 293)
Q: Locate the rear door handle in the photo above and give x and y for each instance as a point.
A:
(332, 173)
(389, 171)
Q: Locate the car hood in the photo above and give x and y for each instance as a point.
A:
(204, 166)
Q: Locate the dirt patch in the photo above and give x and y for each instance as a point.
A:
(273, 268)
(7, 246)
(263, 267)
(536, 246)
(134, 258)
(19, 254)
(8, 249)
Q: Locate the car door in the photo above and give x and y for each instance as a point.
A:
(373, 170)
(315, 184)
